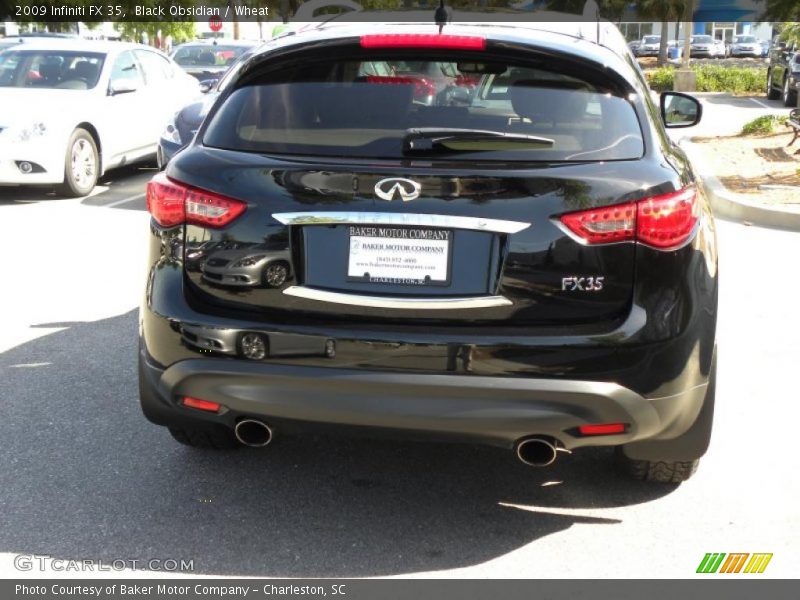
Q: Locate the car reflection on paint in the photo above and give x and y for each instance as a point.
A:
(262, 265)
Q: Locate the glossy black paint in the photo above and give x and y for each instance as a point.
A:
(651, 330)
(784, 68)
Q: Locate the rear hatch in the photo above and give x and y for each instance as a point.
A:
(368, 195)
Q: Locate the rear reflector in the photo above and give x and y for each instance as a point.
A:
(423, 40)
(172, 203)
(200, 404)
(662, 222)
(603, 429)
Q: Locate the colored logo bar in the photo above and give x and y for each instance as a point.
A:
(737, 562)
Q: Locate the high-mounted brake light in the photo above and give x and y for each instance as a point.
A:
(172, 203)
(661, 222)
(423, 40)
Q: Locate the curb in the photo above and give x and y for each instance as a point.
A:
(727, 205)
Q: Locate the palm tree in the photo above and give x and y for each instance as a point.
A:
(665, 11)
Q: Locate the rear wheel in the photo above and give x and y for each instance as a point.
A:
(214, 439)
(80, 165)
(660, 471)
(787, 96)
(772, 93)
(676, 460)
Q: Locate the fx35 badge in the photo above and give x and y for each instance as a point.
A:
(582, 284)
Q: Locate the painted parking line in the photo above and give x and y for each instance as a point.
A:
(760, 103)
(123, 201)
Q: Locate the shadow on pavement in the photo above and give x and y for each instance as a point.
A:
(86, 477)
(126, 180)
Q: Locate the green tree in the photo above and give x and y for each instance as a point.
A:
(781, 11)
(790, 33)
(665, 11)
(133, 30)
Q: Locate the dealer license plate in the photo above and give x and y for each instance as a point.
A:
(399, 255)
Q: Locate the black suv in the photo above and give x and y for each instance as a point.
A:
(526, 261)
(783, 74)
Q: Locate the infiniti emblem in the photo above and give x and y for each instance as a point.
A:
(386, 189)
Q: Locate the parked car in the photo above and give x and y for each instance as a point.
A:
(73, 109)
(27, 37)
(746, 45)
(258, 265)
(783, 74)
(184, 123)
(208, 60)
(535, 270)
(704, 46)
(766, 46)
(634, 46)
(8, 43)
(649, 46)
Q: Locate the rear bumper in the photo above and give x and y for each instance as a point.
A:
(491, 410)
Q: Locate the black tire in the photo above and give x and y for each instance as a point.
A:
(772, 93)
(659, 471)
(81, 165)
(212, 439)
(676, 460)
(787, 95)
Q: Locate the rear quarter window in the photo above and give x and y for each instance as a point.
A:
(366, 109)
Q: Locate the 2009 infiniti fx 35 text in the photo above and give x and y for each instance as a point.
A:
(516, 255)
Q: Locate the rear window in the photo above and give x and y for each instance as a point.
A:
(371, 109)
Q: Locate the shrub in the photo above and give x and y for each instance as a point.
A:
(661, 79)
(762, 125)
(716, 78)
(713, 78)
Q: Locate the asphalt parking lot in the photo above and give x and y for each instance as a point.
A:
(86, 477)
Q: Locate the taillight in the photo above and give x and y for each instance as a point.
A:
(172, 203)
(603, 225)
(423, 40)
(661, 222)
(666, 221)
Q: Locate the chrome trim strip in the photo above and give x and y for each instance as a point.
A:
(414, 219)
(300, 291)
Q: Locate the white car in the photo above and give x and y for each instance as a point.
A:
(706, 46)
(72, 109)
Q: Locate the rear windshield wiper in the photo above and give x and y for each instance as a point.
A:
(427, 139)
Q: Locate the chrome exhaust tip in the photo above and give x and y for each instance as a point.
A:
(255, 434)
(537, 451)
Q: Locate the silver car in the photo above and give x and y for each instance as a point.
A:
(706, 46)
(650, 46)
(746, 45)
(256, 266)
